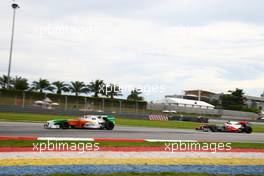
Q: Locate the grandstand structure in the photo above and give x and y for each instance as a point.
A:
(200, 95)
(185, 103)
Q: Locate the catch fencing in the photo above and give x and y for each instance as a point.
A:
(69, 112)
(70, 102)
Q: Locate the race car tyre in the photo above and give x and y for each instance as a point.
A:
(206, 129)
(213, 129)
(109, 125)
(64, 126)
(45, 125)
(248, 129)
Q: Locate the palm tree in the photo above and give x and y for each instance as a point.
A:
(60, 87)
(3, 81)
(97, 87)
(41, 85)
(113, 90)
(78, 87)
(134, 95)
(20, 83)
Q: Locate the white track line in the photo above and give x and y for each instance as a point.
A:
(64, 139)
(168, 140)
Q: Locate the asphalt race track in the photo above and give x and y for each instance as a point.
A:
(36, 129)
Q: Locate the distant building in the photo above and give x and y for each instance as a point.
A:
(262, 95)
(46, 103)
(200, 95)
(207, 96)
(255, 102)
(180, 102)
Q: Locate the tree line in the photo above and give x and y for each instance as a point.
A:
(96, 88)
(235, 100)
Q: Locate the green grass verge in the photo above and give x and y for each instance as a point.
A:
(29, 143)
(159, 124)
(30, 117)
(182, 113)
(119, 121)
(171, 124)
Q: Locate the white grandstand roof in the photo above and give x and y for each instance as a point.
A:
(185, 102)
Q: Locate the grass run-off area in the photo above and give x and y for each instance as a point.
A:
(119, 121)
(29, 143)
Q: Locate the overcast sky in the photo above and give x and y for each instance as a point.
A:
(215, 45)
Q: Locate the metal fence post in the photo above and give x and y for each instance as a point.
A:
(103, 104)
(65, 103)
(136, 107)
(85, 104)
(120, 106)
(23, 99)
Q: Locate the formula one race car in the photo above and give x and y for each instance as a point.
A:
(86, 121)
(230, 126)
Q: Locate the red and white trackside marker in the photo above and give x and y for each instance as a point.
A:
(158, 117)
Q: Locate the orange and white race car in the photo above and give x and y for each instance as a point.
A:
(86, 121)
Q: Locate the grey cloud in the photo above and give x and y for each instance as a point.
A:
(138, 42)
